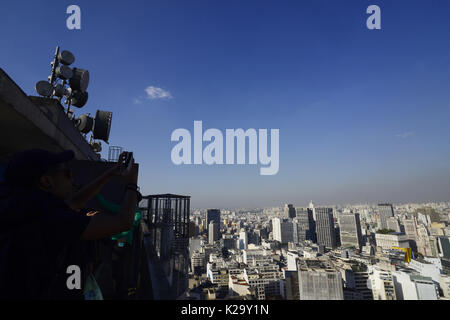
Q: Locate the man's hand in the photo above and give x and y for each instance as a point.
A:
(132, 175)
(118, 169)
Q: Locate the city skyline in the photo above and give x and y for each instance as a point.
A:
(362, 114)
(323, 253)
(323, 205)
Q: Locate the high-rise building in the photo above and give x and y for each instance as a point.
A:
(362, 284)
(213, 232)
(350, 230)
(243, 240)
(382, 284)
(228, 241)
(198, 262)
(283, 230)
(195, 244)
(292, 286)
(410, 226)
(320, 284)
(414, 287)
(311, 206)
(192, 229)
(385, 211)
(392, 224)
(423, 241)
(254, 237)
(289, 211)
(268, 283)
(304, 225)
(337, 232)
(391, 240)
(292, 258)
(213, 215)
(325, 227)
(444, 247)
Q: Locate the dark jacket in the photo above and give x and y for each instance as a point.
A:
(39, 239)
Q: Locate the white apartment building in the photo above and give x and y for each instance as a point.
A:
(198, 259)
(265, 283)
(431, 267)
(414, 287)
(292, 261)
(382, 284)
(256, 256)
(388, 241)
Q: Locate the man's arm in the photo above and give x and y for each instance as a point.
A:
(89, 191)
(103, 225)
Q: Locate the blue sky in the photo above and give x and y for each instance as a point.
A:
(363, 114)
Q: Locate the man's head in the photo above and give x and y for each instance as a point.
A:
(41, 169)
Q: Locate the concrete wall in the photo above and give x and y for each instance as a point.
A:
(35, 122)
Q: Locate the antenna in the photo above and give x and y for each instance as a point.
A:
(54, 64)
(71, 84)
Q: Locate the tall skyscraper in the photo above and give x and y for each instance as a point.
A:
(243, 240)
(311, 206)
(283, 230)
(304, 225)
(213, 232)
(289, 211)
(385, 211)
(325, 227)
(213, 216)
(350, 230)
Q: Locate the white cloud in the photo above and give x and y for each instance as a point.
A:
(157, 93)
(138, 100)
(153, 93)
(405, 135)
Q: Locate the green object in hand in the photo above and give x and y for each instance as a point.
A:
(115, 208)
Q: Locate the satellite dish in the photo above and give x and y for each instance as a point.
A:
(78, 99)
(66, 57)
(64, 72)
(85, 123)
(44, 88)
(96, 146)
(80, 79)
(102, 125)
(60, 91)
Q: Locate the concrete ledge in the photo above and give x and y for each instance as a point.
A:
(34, 122)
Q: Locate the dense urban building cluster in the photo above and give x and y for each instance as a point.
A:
(354, 252)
